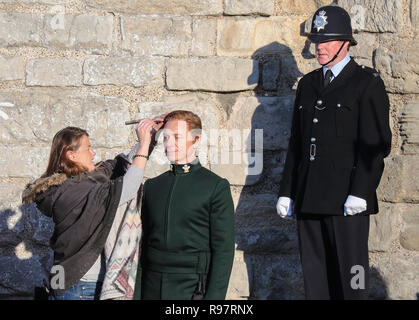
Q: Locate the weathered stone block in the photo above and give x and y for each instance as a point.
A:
(398, 184)
(409, 237)
(44, 112)
(12, 226)
(414, 15)
(238, 167)
(275, 277)
(243, 7)
(51, 72)
(384, 227)
(145, 35)
(212, 74)
(375, 16)
(238, 287)
(398, 65)
(251, 36)
(409, 127)
(11, 198)
(271, 74)
(398, 274)
(291, 71)
(266, 239)
(259, 204)
(278, 34)
(367, 44)
(20, 29)
(86, 31)
(235, 36)
(55, 2)
(27, 161)
(275, 167)
(300, 7)
(272, 115)
(203, 37)
(178, 7)
(12, 68)
(134, 71)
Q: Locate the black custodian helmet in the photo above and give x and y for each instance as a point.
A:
(331, 23)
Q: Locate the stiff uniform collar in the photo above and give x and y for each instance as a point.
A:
(338, 67)
(185, 168)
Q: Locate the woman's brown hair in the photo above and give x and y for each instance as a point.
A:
(67, 139)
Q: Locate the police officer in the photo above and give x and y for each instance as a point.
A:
(340, 135)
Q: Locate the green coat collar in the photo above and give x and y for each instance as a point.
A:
(185, 168)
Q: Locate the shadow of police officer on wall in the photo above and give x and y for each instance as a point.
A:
(269, 244)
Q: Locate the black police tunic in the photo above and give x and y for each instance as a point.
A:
(339, 137)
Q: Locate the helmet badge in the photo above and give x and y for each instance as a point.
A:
(320, 20)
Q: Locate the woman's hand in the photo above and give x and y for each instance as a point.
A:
(147, 129)
(159, 121)
(144, 132)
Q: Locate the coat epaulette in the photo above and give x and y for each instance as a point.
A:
(369, 70)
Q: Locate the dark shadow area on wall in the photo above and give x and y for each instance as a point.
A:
(378, 287)
(25, 255)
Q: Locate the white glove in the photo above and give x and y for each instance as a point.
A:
(354, 205)
(284, 207)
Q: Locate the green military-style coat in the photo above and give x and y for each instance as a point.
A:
(188, 235)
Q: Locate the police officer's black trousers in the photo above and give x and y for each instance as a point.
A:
(334, 256)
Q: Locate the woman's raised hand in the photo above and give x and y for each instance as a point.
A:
(144, 131)
(159, 121)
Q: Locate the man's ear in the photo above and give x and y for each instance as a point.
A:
(347, 45)
(197, 140)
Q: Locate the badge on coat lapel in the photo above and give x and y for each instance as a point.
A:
(320, 21)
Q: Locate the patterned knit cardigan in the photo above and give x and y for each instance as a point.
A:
(122, 251)
(122, 247)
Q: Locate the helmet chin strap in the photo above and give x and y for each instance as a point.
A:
(336, 55)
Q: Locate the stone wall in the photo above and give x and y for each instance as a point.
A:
(236, 63)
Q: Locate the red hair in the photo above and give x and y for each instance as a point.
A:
(193, 121)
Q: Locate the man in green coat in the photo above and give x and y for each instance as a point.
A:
(188, 222)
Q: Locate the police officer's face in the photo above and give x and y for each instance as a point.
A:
(179, 142)
(325, 52)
